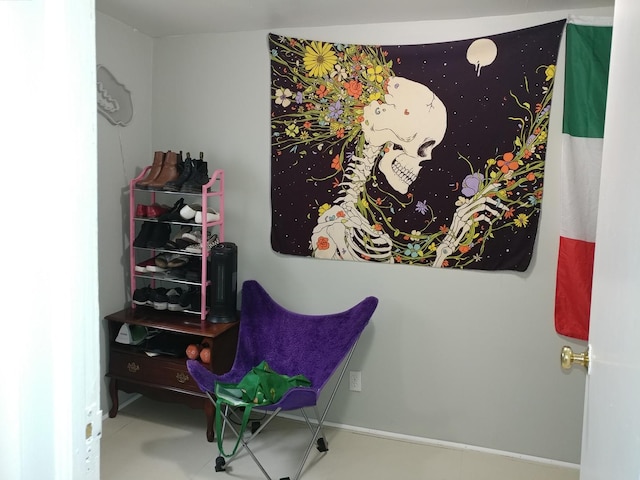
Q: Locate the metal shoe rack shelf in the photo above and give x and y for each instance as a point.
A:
(212, 196)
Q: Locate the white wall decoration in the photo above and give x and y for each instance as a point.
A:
(114, 100)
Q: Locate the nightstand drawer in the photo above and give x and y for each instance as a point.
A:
(165, 372)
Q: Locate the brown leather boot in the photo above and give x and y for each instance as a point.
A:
(156, 168)
(169, 171)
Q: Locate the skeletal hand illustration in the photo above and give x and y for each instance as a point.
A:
(474, 211)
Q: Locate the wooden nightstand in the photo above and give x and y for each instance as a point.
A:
(165, 376)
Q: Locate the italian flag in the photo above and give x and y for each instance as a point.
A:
(588, 45)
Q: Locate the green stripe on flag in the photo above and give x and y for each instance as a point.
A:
(587, 72)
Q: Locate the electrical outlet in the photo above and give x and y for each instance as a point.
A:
(355, 381)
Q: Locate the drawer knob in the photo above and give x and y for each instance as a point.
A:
(182, 377)
(133, 367)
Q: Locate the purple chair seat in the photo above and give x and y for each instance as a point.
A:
(291, 343)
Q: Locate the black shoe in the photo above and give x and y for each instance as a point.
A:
(177, 261)
(179, 272)
(199, 177)
(194, 270)
(174, 244)
(185, 173)
(159, 235)
(141, 296)
(190, 299)
(192, 276)
(173, 215)
(173, 302)
(144, 235)
(159, 298)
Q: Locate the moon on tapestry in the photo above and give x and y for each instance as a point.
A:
(407, 154)
(482, 52)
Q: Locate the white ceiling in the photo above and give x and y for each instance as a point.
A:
(159, 18)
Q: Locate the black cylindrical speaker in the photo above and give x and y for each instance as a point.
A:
(223, 274)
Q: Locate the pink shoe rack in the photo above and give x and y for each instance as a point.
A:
(212, 196)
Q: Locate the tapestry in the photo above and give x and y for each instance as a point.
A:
(427, 155)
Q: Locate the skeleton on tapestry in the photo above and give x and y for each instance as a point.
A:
(413, 120)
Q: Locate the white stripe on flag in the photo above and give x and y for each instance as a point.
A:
(594, 21)
(580, 177)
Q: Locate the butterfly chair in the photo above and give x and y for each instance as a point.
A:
(292, 344)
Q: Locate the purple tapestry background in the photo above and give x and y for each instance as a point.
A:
(476, 198)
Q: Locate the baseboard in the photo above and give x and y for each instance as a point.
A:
(440, 443)
(415, 439)
(128, 401)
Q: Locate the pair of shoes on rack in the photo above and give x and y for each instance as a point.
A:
(163, 170)
(190, 299)
(190, 241)
(151, 297)
(173, 214)
(194, 174)
(191, 272)
(180, 239)
(208, 244)
(149, 266)
(194, 212)
(171, 260)
(183, 212)
(150, 211)
(152, 235)
(175, 299)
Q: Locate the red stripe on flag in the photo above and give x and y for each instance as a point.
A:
(573, 287)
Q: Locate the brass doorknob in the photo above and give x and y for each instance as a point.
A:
(568, 358)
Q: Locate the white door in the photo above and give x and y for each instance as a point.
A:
(611, 431)
(49, 400)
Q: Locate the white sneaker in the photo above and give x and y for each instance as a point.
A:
(212, 241)
(192, 236)
(212, 216)
(149, 266)
(188, 212)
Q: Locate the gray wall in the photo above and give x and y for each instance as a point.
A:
(122, 153)
(457, 356)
